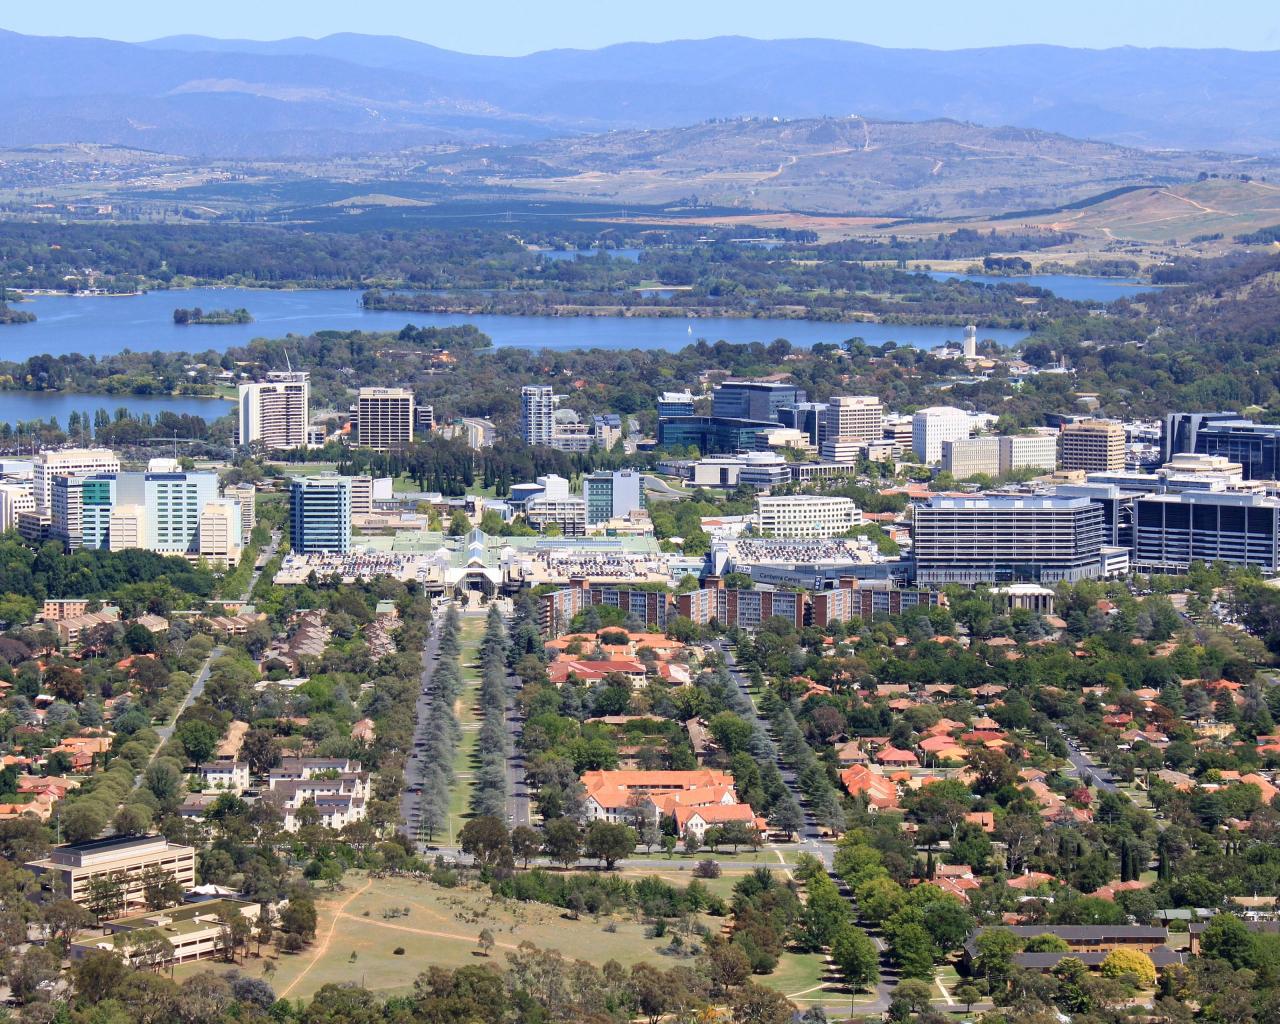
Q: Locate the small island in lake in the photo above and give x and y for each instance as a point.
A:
(213, 316)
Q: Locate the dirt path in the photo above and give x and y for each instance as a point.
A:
(419, 931)
(323, 948)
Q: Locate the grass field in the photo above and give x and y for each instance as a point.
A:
(466, 710)
(441, 928)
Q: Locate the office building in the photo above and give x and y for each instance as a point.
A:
(971, 456)
(220, 541)
(424, 419)
(763, 470)
(568, 514)
(127, 528)
(899, 432)
(362, 495)
(275, 413)
(537, 413)
(1091, 446)
(857, 418)
(14, 498)
(193, 931)
(320, 514)
(930, 427)
(72, 462)
(753, 400)
(711, 435)
(675, 403)
(384, 418)
(158, 510)
(1173, 530)
(245, 496)
(1028, 451)
(809, 417)
(806, 515)
(1256, 446)
(69, 870)
(998, 538)
(66, 511)
(613, 495)
(98, 500)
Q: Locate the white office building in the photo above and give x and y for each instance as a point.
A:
(537, 413)
(1029, 451)
(14, 498)
(276, 412)
(849, 424)
(930, 427)
(71, 462)
(384, 418)
(806, 515)
(971, 456)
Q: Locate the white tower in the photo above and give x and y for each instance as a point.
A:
(971, 342)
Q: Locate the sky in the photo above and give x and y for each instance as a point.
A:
(511, 27)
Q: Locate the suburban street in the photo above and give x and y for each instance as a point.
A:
(1085, 767)
(410, 801)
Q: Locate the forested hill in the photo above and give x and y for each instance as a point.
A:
(362, 93)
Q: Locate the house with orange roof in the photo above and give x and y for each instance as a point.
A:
(894, 757)
(881, 793)
(985, 820)
(561, 669)
(1029, 880)
(944, 727)
(614, 795)
(1112, 889)
(696, 820)
(851, 753)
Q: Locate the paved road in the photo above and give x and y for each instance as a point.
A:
(812, 839)
(518, 794)
(1086, 767)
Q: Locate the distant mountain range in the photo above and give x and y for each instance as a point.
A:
(355, 93)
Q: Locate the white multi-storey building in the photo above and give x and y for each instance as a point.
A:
(537, 413)
(849, 423)
(1029, 451)
(971, 456)
(806, 515)
(71, 462)
(275, 413)
(930, 427)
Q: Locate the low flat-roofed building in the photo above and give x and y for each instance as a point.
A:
(194, 931)
(69, 869)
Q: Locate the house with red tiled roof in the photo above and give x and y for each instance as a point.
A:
(697, 820)
(985, 820)
(561, 669)
(880, 792)
(892, 756)
(1030, 880)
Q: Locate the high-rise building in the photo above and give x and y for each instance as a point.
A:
(537, 413)
(1000, 538)
(850, 421)
(675, 403)
(67, 511)
(127, 528)
(971, 456)
(754, 399)
(245, 496)
(930, 427)
(553, 505)
(384, 418)
(1028, 451)
(613, 495)
(424, 419)
(320, 513)
(220, 541)
(173, 500)
(806, 515)
(276, 412)
(361, 495)
(98, 499)
(71, 462)
(809, 417)
(1095, 446)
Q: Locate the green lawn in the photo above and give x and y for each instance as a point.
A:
(466, 709)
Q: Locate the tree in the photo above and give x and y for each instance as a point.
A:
(996, 949)
(82, 820)
(855, 957)
(1121, 962)
(1225, 937)
(198, 738)
(483, 838)
(787, 817)
(756, 1004)
(97, 974)
(64, 918)
(825, 913)
(30, 973)
(105, 895)
(968, 994)
(727, 965)
(485, 941)
(609, 843)
(260, 750)
(131, 820)
(561, 842)
(909, 996)
(914, 950)
(459, 524)
(524, 843)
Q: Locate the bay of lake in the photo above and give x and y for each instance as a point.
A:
(1065, 286)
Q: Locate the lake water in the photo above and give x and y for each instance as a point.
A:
(585, 254)
(23, 406)
(105, 325)
(1065, 286)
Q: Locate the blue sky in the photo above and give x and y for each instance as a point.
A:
(520, 26)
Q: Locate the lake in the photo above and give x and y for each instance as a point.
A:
(1065, 286)
(102, 325)
(22, 406)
